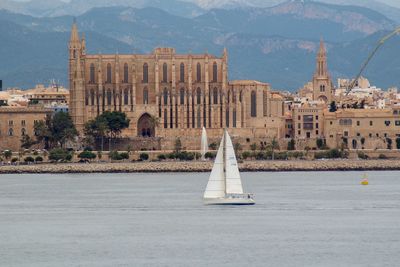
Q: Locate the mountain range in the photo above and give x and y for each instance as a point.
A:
(274, 44)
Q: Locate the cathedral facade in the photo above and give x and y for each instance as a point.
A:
(169, 95)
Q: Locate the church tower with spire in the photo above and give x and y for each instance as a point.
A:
(322, 83)
(76, 77)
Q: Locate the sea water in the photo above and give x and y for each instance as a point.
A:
(300, 219)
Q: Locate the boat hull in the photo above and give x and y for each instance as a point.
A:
(229, 201)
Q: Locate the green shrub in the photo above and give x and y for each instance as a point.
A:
(13, 160)
(291, 145)
(144, 156)
(210, 155)
(7, 154)
(162, 157)
(253, 147)
(39, 159)
(114, 155)
(295, 154)
(124, 155)
(331, 154)
(29, 159)
(59, 154)
(246, 155)
(213, 146)
(281, 156)
(87, 155)
(362, 155)
(382, 156)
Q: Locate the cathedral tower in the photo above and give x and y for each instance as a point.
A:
(322, 84)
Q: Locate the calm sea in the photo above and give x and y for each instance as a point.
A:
(300, 219)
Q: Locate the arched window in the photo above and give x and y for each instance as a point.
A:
(86, 98)
(322, 88)
(145, 73)
(182, 73)
(198, 96)
(165, 95)
(215, 72)
(240, 96)
(182, 96)
(145, 96)
(10, 132)
(215, 96)
(227, 117)
(126, 73)
(165, 73)
(108, 78)
(165, 118)
(92, 71)
(234, 118)
(109, 97)
(126, 97)
(229, 96)
(23, 132)
(253, 104)
(92, 97)
(198, 72)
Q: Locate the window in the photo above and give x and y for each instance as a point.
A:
(387, 123)
(322, 88)
(92, 97)
(198, 96)
(299, 125)
(165, 95)
(215, 96)
(308, 122)
(308, 134)
(165, 73)
(253, 104)
(109, 97)
(316, 125)
(227, 117)
(358, 134)
(358, 123)
(182, 96)
(23, 132)
(331, 122)
(234, 118)
(316, 117)
(145, 96)
(316, 132)
(182, 73)
(370, 135)
(345, 122)
(165, 118)
(126, 73)
(10, 132)
(397, 123)
(346, 133)
(215, 72)
(92, 71)
(126, 97)
(198, 72)
(371, 123)
(145, 73)
(23, 123)
(109, 74)
(10, 123)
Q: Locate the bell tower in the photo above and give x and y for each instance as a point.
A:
(322, 84)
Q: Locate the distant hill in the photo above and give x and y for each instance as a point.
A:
(276, 45)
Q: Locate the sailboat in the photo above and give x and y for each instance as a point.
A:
(204, 144)
(225, 185)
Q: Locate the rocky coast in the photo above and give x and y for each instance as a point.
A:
(197, 166)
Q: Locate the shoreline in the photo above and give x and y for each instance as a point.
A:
(197, 166)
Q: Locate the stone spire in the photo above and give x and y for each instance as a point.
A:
(74, 33)
(322, 64)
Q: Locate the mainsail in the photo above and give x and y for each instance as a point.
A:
(216, 183)
(232, 176)
(204, 144)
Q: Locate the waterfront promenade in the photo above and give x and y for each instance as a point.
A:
(198, 166)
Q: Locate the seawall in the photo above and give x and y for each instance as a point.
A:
(248, 166)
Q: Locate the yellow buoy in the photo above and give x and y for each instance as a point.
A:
(364, 181)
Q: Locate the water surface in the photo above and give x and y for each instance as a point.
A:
(300, 219)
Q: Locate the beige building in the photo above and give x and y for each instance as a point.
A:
(183, 92)
(15, 122)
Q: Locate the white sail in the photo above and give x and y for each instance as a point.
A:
(232, 175)
(204, 144)
(216, 183)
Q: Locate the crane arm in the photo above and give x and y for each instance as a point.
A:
(371, 55)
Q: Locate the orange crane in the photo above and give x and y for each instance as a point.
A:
(380, 43)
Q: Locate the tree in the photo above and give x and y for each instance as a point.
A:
(178, 145)
(291, 145)
(7, 154)
(253, 147)
(96, 129)
(59, 154)
(389, 143)
(27, 142)
(62, 128)
(116, 122)
(42, 133)
(332, 107)
(273, 146)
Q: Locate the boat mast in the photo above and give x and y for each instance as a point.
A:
(224, 158)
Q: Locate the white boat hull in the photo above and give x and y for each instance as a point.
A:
(229, 201)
